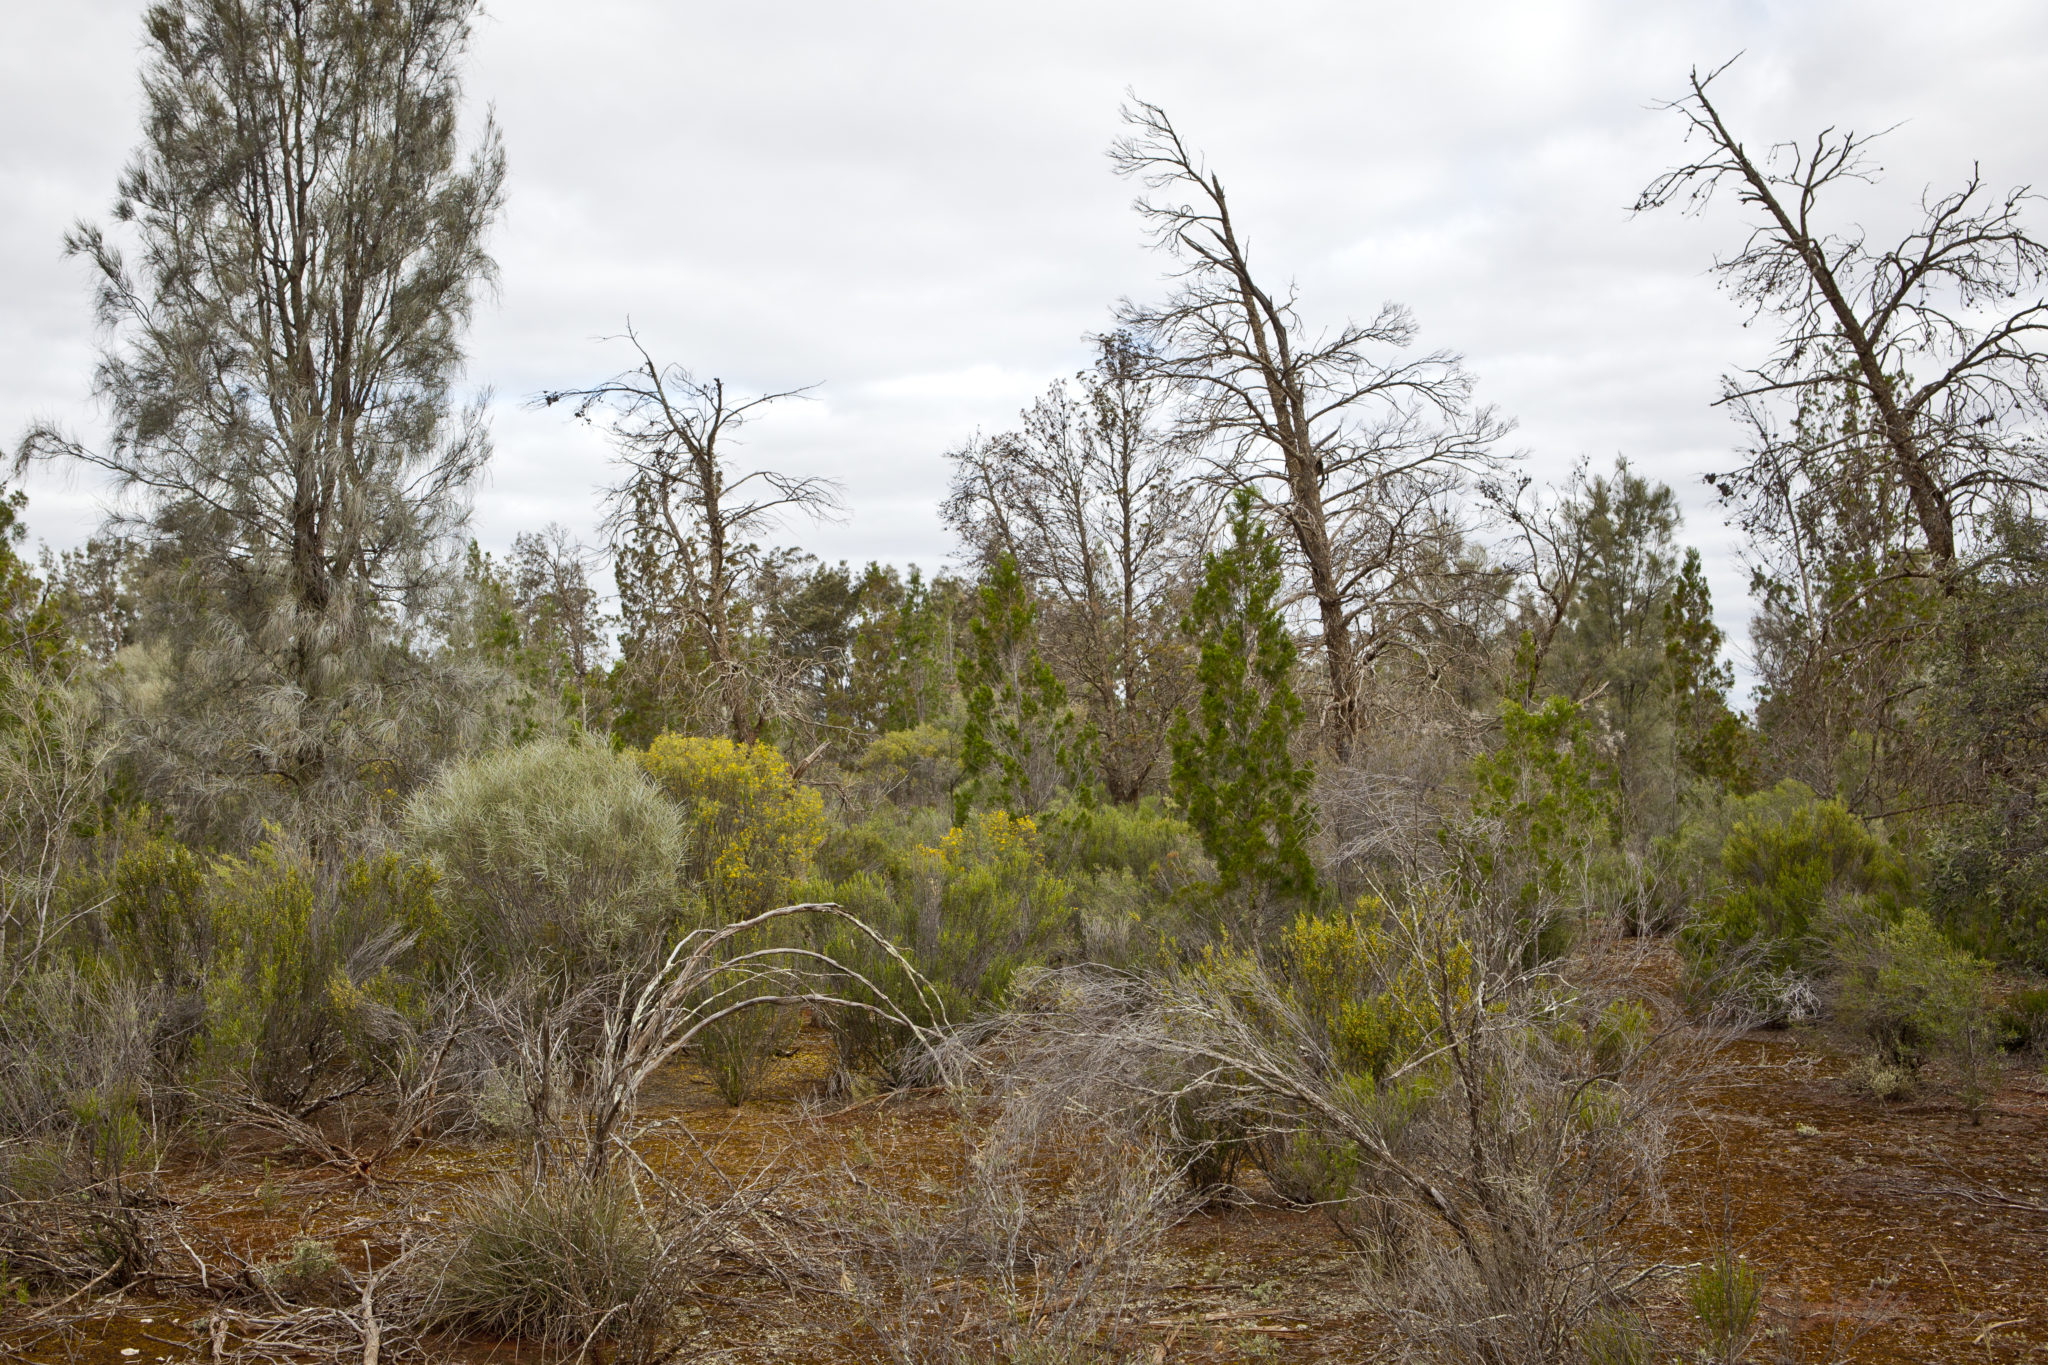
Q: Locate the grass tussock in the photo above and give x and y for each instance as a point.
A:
(561, 1260)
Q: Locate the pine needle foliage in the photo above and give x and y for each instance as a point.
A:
(1233, 770)
(1022, 741)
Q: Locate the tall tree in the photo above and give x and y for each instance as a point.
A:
(1092, 500)
(1709, 739)
(1021, 743)
(282, 354)
(539, 615)
(684, 521)
(902, 670)
(1234, 770)
(1600, 560)
(1628, 524)
(562, 614)
(1942, 334)
(1847, 611)
(1355, 442)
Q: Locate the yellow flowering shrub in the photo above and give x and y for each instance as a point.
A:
(1371, 995)
(990, 904)
(752, 826)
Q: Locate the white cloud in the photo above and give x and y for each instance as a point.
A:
(908, 202)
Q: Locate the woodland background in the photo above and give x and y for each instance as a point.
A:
(1288, 798)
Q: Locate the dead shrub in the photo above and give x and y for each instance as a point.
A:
(1041, 1238)
(80, 1131)
(1482, 1128)
(1030, 1253)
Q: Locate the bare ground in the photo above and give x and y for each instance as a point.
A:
(1886, 1232)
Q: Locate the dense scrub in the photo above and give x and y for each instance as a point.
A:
(1287, 813)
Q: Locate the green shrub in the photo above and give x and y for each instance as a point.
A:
(1781, 874)
(1143, 840)
(1725, 1294)
(1119, 920)
(739, 1049)
(1356, 997)
(310, 983)
(969, 912)
(1884, 1081)
(1361, 994)
(884, 844)
(1620, 1032)
(261, 972)
(557, 852)
(988, 905)
(156, 919)
(1907, 988)
(1545, 793)
(1789, 870)
(1617, 1337)
(2023, 1019)
(1913, 994)
(1988, 888)
(751, 827)
(309, 1274)
(864, 1042)
(98, 1138)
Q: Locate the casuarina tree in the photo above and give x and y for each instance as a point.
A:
(284, 339)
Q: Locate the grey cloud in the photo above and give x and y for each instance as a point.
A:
(909, 203)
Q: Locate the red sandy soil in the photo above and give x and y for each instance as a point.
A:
(1885, 1232)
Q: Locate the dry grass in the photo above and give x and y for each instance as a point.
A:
(562, 1259)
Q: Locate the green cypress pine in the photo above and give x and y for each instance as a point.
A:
(1233, 771)
(1712, 740)
(1022, 741)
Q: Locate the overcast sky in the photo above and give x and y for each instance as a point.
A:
(908, 205)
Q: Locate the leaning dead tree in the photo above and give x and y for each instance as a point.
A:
(1939, 337)
(1353, 441)
(685, 519)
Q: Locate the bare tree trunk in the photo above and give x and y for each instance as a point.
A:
(1351, 445)
(689, 520)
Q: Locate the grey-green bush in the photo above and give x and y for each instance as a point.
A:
(1915, 995)
(557, 849)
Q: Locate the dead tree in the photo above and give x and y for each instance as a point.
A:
(1093, 500)
(1923, 334)
(685, 521)
(1354, 443)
